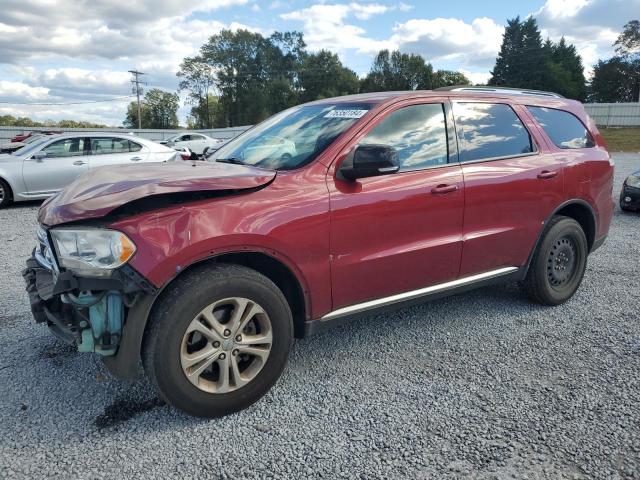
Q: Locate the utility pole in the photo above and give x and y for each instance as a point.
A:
(136, 81)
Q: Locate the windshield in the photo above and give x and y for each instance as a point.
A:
(32, 139)
(293, 138)
(172, 138)
(31, 147)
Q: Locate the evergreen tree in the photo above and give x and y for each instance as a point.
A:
(530, 66)
(509, 58)
(525, 62)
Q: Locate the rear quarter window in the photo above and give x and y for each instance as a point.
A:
(563, 128)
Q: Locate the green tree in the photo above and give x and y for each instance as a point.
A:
(618, 78)
(505, 71)
(397, 71)
(525, 62)
(255, 76)
(564, 72)
(628, 42)
(615, 80)
(322, 75)
(448, 78)
(159, 110)
(197, 78)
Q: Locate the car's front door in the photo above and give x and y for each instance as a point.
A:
(62, 162)
(115, 151)
(512, 184)
(196, 144)
(403, 231)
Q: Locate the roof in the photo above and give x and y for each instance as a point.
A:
(533, 97)
(94, 134)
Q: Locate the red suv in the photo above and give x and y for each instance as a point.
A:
(204, 272)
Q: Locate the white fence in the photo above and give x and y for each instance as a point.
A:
(614, 114)
(7, 133)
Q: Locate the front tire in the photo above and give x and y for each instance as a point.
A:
(218, 340)
(5, 194)
(559, 263)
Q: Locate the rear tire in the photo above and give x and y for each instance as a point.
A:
(558, 264)
(5, 194)
(175, 352)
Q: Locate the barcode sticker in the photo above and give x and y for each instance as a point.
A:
(345, 113)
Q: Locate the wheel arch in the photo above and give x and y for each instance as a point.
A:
(582, 212)
(4, 179)
(126, 363)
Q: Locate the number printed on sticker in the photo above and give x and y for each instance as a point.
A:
(345, 113)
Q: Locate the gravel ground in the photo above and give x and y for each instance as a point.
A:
(482, 385)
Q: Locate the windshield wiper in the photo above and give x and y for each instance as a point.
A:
(234, 160)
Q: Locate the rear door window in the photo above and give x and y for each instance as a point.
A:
(417, 132)
(490, 130)
(108, 145)
(563, 128)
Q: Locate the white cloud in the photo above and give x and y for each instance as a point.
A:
(325, 27)
(450, 39)
(405, 7)
(366, 11)
(592, 25)
(20, 91)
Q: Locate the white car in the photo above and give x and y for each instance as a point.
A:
(197, 143)
(269, 147)
(44, 167)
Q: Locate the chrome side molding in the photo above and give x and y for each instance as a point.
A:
(422, 292)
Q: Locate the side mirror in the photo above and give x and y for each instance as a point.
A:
(38, 156)
(370, 161)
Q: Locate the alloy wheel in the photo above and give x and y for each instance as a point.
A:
(226, 345)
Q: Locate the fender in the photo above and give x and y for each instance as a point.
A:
(126, 363)
(573, 201)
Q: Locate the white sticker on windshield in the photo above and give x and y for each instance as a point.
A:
(345, 113)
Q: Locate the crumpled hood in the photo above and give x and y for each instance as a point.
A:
(102, 190)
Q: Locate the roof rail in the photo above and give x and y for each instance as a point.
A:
(507, 90)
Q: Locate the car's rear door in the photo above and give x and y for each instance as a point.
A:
(512, 183)
(106, 150)
(64, 160)
(399, 232)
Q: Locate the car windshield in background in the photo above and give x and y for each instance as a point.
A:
(32, 147)
(293, 138)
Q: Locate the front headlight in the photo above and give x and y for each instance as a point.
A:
(92, 252)
(633, 181)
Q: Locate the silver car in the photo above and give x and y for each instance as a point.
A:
(43, 167)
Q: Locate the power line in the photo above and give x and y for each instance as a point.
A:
(69, 103)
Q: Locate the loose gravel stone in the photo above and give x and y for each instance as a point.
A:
(482, 384)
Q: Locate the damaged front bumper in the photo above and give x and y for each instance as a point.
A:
(92, 313)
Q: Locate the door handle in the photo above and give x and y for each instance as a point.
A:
(441, 189)
(547, 174)
(135, 159)
(79, 162)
